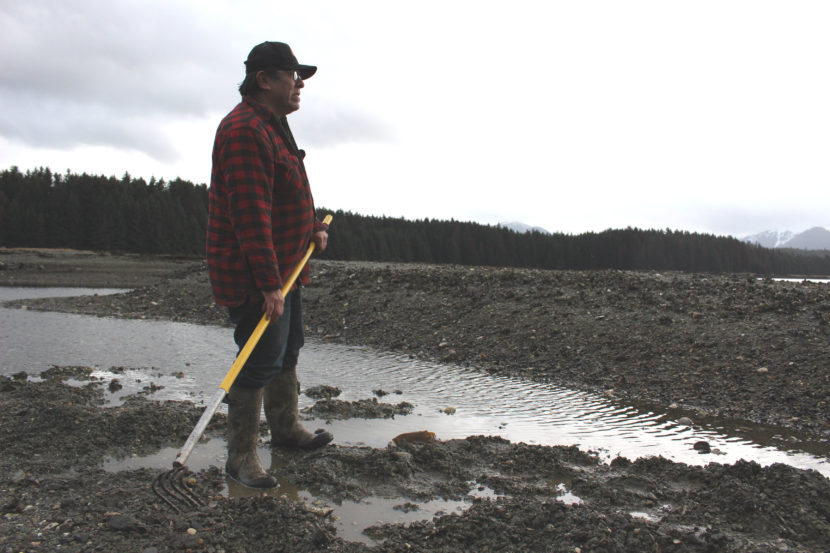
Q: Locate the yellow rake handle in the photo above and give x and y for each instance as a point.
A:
(249, 346)
(263, 323)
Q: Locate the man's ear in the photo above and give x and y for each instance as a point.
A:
(262, 80)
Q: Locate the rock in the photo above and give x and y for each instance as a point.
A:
(322, 392)
(702, 447)
(418, 437)
(123, 523)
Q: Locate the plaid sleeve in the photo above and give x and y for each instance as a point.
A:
(319, 225)
(247, 170)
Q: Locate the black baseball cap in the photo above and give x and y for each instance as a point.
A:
(279, 55)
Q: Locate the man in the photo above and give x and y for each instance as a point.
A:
(260, 223)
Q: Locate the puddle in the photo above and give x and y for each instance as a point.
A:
(565, 496)
(351, 517)
(11, 293)
(642, 515)
(167, 360)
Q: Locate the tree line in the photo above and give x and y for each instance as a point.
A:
(91, 212)
(360, 237)
(40, 208)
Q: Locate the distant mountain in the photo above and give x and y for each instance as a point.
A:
(770, 238)
(816, 238)
(522, 228)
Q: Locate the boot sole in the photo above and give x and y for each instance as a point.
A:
(271, 482)
(320, 439)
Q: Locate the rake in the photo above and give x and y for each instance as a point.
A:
(170, 486)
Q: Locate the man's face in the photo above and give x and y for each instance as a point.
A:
(282, 93)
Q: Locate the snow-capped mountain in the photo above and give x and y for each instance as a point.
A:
(770, 238)
(522, 228)
(816, 238)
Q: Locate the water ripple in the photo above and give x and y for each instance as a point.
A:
(189, 361)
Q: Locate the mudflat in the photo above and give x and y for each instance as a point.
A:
(707, 345)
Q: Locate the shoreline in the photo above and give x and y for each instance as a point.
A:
(726, 346)
(600, 331)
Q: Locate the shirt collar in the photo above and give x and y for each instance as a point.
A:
(260, 109)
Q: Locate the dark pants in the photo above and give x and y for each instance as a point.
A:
(279, 345)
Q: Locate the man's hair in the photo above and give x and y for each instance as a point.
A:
(249, 86)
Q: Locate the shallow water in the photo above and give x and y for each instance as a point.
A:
(816, 280)
(189, 361)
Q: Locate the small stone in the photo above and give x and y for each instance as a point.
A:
(685, 421)
(191, 531)
(449, 410)
(702, 447)
(121, 522)
(763, 370)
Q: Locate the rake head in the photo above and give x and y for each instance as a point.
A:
(170, 487)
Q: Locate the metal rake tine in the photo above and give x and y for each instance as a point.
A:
(169, 488)
(179, 486)
(159, 486)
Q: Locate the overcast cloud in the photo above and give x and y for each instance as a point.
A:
(709, 116)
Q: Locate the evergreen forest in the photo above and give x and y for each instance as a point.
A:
(43, 209)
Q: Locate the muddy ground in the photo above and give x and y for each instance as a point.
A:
(724, 346)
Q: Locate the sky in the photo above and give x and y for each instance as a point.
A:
(573, 116)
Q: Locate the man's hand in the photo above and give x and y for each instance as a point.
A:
(321, 239)
(273, 305)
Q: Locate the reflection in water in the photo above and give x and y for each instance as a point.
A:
(189, 361)
(181, 361)
(351, 517)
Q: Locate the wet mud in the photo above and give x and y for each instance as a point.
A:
(732, 345)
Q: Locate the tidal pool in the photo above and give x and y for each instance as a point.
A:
(168, 360)
(186, 361)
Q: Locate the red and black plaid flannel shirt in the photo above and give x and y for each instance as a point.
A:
(261, 216)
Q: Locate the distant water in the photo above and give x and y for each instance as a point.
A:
(820, 280)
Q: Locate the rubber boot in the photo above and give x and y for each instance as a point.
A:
(244, 406)
(281, 396)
